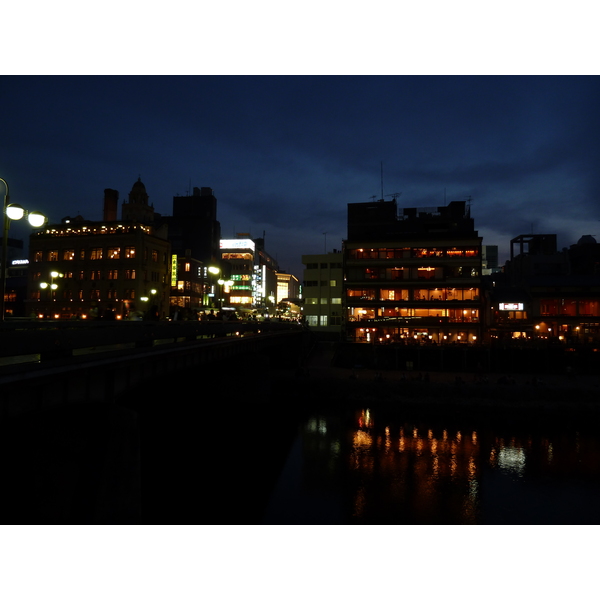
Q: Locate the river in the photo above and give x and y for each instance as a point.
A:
(376, 466)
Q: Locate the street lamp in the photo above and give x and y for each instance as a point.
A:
(12, 212)
(227, 284)
(53, 286)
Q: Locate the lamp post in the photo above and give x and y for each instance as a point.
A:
(12, 212)
(147, 310)
(53, 286)
(227, 284)
(215, 271)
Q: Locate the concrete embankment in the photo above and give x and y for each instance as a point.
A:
(520, 395)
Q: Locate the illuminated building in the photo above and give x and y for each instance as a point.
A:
(188, 289)
(288, 295)
(240, 254)
(253, 273)
(194, 233)
(412, 277)
(266, 269)
(546, 294)
(110, 268)
(323, 292)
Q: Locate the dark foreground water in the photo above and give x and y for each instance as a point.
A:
(372, 466)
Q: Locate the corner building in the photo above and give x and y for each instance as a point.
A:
(102, 269)
(412, 277)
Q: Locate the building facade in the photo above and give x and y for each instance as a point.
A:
(189, 289)
(412, 277)
(194, 230)
(111, 269)
(547, 294)
(323, 292)
(288, 296)
(253, 275)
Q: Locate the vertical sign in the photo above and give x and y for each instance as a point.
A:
(173, 270)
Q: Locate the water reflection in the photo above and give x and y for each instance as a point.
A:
(373, 468)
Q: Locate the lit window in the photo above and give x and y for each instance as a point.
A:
(336, 301)
(130, 274)
(114, 252)
(53, 255)
(323, 320)
(96, 254)
(130, 252)
(69, 254)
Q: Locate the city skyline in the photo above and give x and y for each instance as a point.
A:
(286, 154)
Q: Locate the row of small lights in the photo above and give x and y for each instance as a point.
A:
(416, 335)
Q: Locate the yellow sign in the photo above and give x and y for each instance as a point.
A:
(173, 270)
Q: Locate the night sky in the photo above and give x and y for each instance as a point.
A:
(285, 154)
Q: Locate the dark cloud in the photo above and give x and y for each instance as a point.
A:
(286, 154)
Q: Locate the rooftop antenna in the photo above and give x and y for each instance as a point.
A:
(372, 197)
(395, 195)
(469, 200)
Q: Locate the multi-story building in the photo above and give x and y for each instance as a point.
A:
(323, 292)
(489, 260)
(194, 233)
(16, 278)
(414, 276)
(253, 274)
(193, 229)
(547, 294)
(288, 295)
(189, 293)
(111, 268)
(239, 256)
(265, 269)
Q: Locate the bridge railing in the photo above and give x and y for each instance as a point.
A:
(54, 339)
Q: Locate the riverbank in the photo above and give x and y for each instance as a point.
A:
(518, 395)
